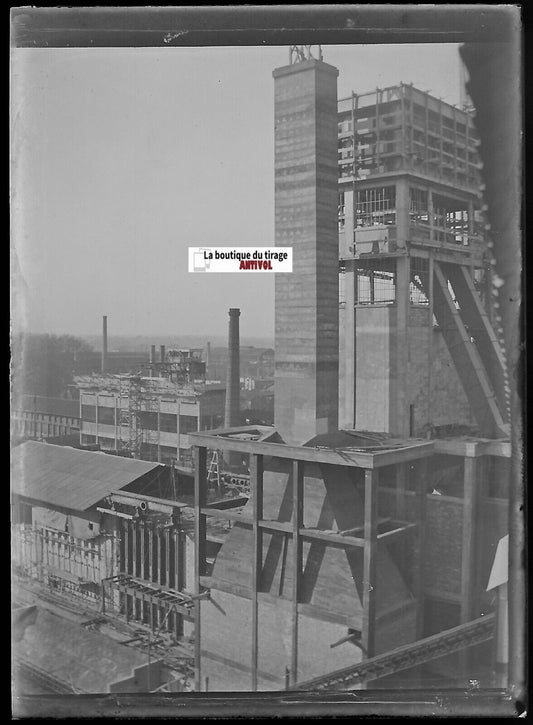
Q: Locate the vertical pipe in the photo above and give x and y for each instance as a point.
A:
(231, 417)
(104, 344)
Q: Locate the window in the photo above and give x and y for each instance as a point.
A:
(106, 415)
(188, 423)
(88, 413)
(418, 206)
(148, 420)
(376, 206)
(169, 422)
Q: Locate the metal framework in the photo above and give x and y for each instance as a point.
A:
(430, 648)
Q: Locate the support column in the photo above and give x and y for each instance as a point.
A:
(468, 548)
(402, 213)
(430, 339)
(420, 474)
(297, 523)
(200, 500)
(399, 390)
(368, 634)
(256, 482)
(347, 343)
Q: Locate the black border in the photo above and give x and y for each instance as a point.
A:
(247, 25)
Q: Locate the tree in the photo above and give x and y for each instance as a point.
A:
(44, 364)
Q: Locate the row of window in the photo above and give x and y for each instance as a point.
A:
(168, 422)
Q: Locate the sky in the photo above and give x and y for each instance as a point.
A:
(124, 157)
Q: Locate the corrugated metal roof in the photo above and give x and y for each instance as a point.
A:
(71, 478)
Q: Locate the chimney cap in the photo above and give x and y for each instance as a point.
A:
(234, 311)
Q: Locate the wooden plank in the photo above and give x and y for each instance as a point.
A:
(256, 483)
(278, 450)
(227, 515)
(126, 531)
(158, 551)
(150, 551)
(135, 562)
(401, 478)
(468, 568)
(200, 500)
(167, 558)
(142, 552)
(390, 536)
(468, 551)
(297, 523)
(332, 539)
(284, 526)
(368, 634)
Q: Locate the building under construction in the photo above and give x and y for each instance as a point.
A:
(379, 498)
(377, 502)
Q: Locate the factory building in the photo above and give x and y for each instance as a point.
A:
(149, 417)
(379, 498)
(39, 417)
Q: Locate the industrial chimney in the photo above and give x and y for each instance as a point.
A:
(162, 353)
(231, 417)
(104, 343)
(207, 356)
(152, 361)
(307, 301)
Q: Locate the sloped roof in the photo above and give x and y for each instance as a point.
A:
(88, 661)
(71, 478)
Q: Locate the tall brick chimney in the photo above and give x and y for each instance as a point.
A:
(307, 301)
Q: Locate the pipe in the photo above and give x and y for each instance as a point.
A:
(104, 343)
(232, 409)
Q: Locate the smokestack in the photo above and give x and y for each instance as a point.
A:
(307, 301)
(207, 356)
(162, 352)
(104, 343)
(233, 402)
(152, 361)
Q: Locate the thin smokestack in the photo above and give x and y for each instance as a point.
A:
(207, 356)
(104, 343)
(231, 417)
(162, 352)
(152, 361)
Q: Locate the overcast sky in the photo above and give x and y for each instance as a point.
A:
(122, 158)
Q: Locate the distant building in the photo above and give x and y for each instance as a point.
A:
(149, 417)
(38, 417)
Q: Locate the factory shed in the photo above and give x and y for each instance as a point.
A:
(72, 479)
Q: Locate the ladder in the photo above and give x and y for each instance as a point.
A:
(213, 472)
